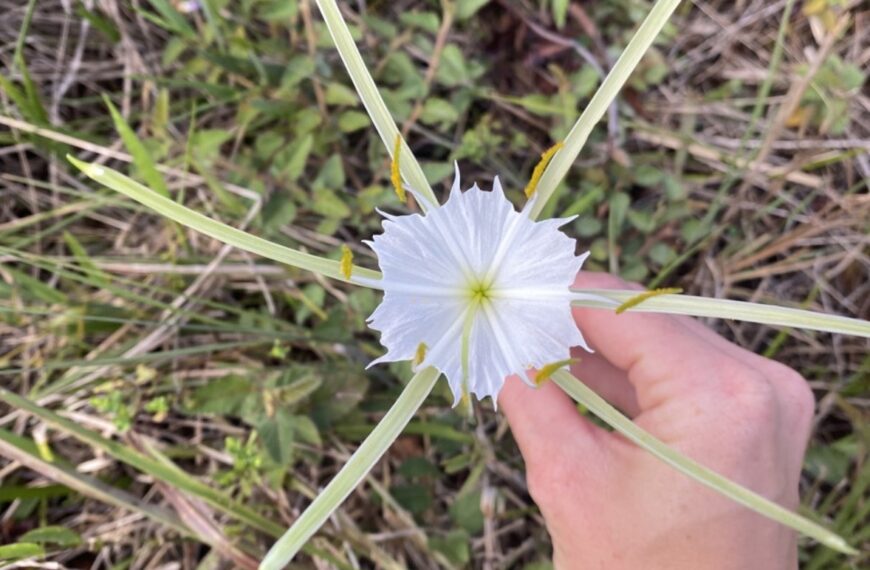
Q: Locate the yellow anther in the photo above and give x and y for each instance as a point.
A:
(640, 298)
(547, 370)
(465, 403)
(395, 175)
(539, 168)
(346, 264)
(420, 354)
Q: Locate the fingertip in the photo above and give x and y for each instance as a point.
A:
(511, 394)
(520, 400)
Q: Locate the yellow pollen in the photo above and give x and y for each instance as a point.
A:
(640, 298)
(548, 369)
(395, 175)
(538, 172)
(420, 355)
(346, 264)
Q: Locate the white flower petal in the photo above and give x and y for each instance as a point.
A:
(407, 320)
(476, 256)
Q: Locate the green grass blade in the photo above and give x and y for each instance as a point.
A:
(17, 448)
(141, 157)
(374, 104)
(169, 474)
(33, 107)
(29, 109)
(149, 357)
(599, 103)
(596, 404)
(24, 29)
(20, 550)
(84, 260)
(357, 467)
(170, 19)
(219, 231)
(148, 295)
(730, 309)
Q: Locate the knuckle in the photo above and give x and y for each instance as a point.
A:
(750, 392)
(783, 373)
(804, 400)
(797, 393)
(794, 392)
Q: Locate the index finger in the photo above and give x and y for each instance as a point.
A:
(661, 354)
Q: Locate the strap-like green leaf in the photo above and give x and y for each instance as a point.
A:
(219, 231)
(596, 108)
(611, 416)
(374, 104)
(141, 156)
(727, 309)
(356, 468)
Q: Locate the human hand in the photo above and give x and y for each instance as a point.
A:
(609, 504)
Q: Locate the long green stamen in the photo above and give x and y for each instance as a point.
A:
(357, 467)
(465, 355)
(479, 293)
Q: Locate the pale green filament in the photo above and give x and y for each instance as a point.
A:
(479, 293)
(465, 348)
(465, 353)
(219, 231)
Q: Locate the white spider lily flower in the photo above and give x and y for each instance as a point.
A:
(477, 290)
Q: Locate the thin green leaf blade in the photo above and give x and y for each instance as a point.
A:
(219, 231)
(24, 451)
(371, 98)
(357, 467)
(728, 309)
(20, 550)
(141, 157)
(59, 535)
(84, 260)
(170, 474)
(599, 103)
(610, 415)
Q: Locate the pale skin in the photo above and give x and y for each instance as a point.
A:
(609, 504)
